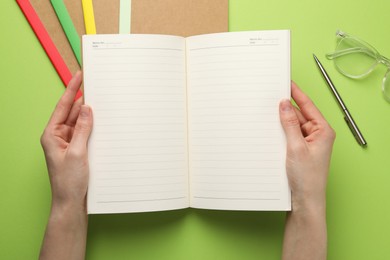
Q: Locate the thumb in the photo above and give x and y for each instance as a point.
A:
(82, 129)
(290, 123)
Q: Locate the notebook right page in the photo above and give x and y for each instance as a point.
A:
(237, 146)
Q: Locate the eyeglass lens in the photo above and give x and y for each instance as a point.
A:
(386, 86)
(355, 59)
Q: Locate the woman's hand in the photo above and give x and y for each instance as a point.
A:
(309, 146)
(64, 142)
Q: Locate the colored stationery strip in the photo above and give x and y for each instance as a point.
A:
(125, 16)
(89, 18)
(46, 42)
(68, 26)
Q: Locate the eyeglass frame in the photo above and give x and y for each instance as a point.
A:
(369, 50)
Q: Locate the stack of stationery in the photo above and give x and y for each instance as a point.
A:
(59, 24)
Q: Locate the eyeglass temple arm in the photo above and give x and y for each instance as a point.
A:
(341, 53)
(386, 61)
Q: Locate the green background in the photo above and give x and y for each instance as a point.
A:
(358, 200)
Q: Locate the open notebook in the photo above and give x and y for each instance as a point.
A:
(187, 122)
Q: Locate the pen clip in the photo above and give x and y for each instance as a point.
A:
(351, 126)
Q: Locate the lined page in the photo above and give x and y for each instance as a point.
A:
(236, 143)
(138, 148)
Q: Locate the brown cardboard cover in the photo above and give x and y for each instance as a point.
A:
(174, 17)
(46, 13)
(75, 10)
(179, 17)
(106, 13)
(106, 16)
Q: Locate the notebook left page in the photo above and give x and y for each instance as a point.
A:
(135, 85)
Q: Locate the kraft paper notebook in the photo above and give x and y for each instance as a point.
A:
(187, 122)
(68, 27)
(176, 17)
(44, 37)
(49, 19)
(75, 11)
(179, 17)
(106, 16)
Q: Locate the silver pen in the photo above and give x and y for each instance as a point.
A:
(347, 116)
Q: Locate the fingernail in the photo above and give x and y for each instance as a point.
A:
(84, 111)
(285, 105)
(78, 72)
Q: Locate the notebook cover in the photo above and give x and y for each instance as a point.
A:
(89, 16)
(179, 17)
(48, 17)
(124, 16)
(68, 27)
(75, 10)
(106, 16)
(46, 42)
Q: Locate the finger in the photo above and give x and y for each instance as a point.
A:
(301, 118)
(309, 128)
(290, 123)
(82, 129)
(64, 106)
(74, 113)
(306, 106)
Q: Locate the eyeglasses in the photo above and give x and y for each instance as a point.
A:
(356, 59)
